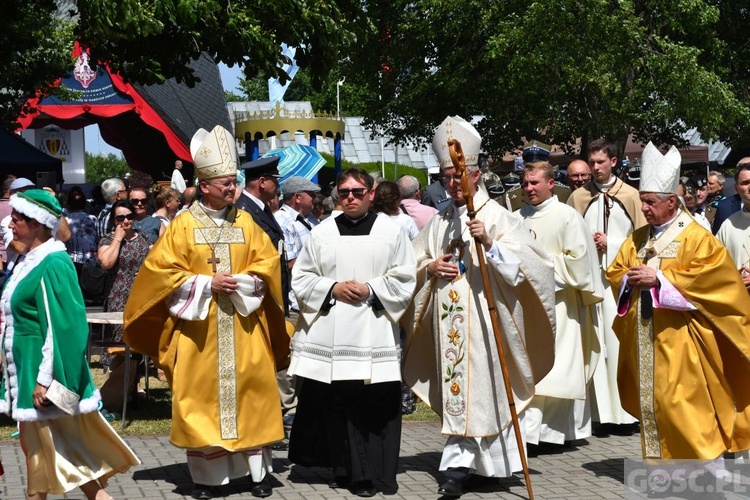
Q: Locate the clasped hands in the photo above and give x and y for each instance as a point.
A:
(643, 276)
(600, 240)
(351, 291)
(224, 284)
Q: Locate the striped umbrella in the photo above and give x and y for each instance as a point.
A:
(304, 161)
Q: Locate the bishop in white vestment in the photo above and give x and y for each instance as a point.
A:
(560, 410)
(452, 359)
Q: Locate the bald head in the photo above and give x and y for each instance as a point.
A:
(188, 196)
(408, 187)
(579, 174)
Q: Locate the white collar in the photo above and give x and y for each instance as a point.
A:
(658, 230)
(546, 203)
(255, 199)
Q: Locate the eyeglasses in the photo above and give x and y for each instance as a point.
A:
(121, 218)
(223, 185)
(356, 192)
(579, 176)
(138, 201)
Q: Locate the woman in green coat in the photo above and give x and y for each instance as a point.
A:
(46, 384)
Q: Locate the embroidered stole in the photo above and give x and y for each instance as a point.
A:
(651, 253)
(219, 239)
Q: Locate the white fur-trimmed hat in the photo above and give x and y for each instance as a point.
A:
(455, 127)
(39, 205)
(660, 173)
(214, 153)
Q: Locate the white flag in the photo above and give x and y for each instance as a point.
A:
(275, 89)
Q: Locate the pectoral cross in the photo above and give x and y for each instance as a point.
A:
(213, 260)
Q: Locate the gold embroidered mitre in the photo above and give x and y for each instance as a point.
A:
(214, 153)
(455, 127)
(660, 173)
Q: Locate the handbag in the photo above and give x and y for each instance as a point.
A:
(94, 281)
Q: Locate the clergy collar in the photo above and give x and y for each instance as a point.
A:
(545, 203)
(354, 222)
(658, 230)
(218, 216)
(359, 227)
(606, 185)
(480, 199)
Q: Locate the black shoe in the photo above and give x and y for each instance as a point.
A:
(281, 446)
(339, 482)
(365, 489)
(262, 489)
(201, 491)
(451, 488)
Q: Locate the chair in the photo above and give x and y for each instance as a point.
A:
(112, 318)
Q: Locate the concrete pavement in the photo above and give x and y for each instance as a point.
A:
(591, 469)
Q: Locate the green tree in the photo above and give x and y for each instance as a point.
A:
(36, 51)
(555, 70)
(148, 42)
(101, 167)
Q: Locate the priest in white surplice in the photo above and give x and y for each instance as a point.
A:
(353, 279)
(734, 233)
(612, 211)
(560, 411)
(451, 359)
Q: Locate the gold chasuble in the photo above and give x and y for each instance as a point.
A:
(684, 373)
(222, 370)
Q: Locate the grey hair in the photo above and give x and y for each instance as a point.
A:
(408, 185)
(110, 187)
(719, 176)
(335, 198)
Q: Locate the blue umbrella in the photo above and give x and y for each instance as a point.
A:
(304, 161)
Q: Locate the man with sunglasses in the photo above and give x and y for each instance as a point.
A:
(353, 280)
(112, 190)
(212, 287)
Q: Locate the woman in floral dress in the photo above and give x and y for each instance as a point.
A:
(122, 252)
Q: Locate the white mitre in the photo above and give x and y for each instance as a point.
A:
(660, 173)
(455, 127)
(214, 153)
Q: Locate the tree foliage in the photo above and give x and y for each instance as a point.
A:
(102, 167)
(36, 47)
(556, 70)
(148, 42)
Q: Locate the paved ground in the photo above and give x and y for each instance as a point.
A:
(591, 469)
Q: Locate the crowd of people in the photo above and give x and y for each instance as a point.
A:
(277, 324)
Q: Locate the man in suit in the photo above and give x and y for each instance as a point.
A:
(261, 186)
(730, 204)
(436, 195)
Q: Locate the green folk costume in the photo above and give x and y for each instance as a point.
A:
(44, 334)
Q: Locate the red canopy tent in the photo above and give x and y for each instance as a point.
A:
(152, 125)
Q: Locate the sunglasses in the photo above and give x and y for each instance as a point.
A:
(356, 192)
(121, 218)
(138, 201)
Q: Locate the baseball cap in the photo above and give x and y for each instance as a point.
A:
(21, 183)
